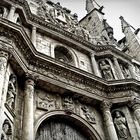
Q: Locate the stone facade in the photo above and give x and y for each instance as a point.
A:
(66, 79)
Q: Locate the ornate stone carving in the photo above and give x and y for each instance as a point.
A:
(121, 125)
(45, 102)
(11, 93)
(125, 71)
(105, 105)
(88, 115)
(134, 103)
(3, 60)
(7, 131)
(68, 104)
(106, 70)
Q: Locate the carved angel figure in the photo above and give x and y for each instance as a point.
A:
(11, 91)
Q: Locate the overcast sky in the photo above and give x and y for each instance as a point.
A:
(129, 9)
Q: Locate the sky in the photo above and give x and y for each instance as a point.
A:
(113, 9)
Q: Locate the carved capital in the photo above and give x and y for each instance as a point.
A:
(105, 105)
(31, 79)
(134, 103)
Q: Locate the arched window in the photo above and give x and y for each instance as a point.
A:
(62, 54)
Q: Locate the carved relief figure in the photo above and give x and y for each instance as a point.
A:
(11, 93)
(68, 104)
(45, 102)
(88, 115)
(7, 131)
(121, 125)
(106, 70)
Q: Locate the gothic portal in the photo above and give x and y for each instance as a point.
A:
(64, 79)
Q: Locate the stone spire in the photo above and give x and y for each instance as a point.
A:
(125, 24)
(92, 4)
(132, 41)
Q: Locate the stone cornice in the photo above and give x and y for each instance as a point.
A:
(72, 38)
(58, 68)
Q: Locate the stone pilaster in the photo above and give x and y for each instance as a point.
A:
(3, 63)
(28, 114)
(135, 105)
(121, 76)
(11, 13)
(33, 36)
(109, 125)
(132, 71)
(95, 65)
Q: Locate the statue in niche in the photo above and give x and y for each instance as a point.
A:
(121, 125)
(125, 71)
(88, 115)
(7, 131)
(11, 93)
(106, 70)
(68, 104)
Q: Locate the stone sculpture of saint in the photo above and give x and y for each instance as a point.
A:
(106, 70)
(11, 91)
(121, 125)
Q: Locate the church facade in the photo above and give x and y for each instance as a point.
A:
(64, 79)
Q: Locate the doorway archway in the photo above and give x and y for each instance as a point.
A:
(57, 125)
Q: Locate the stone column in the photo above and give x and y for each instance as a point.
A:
(132, 71)
(121, 76)
(28, 114)
(33, 36)
(95, 65)
(109, 125)
(11, 13)
(135, 105)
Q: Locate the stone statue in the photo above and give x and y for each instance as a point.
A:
(11, 91)
(7, 131)
(88, 115)
(121, 125)
(106, 70)
(125, 72)
(68, 104)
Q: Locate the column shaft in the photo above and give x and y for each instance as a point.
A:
(11, 13)
(109, 121)
(28, 116)
(95, 65)
(33, 36)
(121, 76)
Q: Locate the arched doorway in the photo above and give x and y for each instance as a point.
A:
(60, 126)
